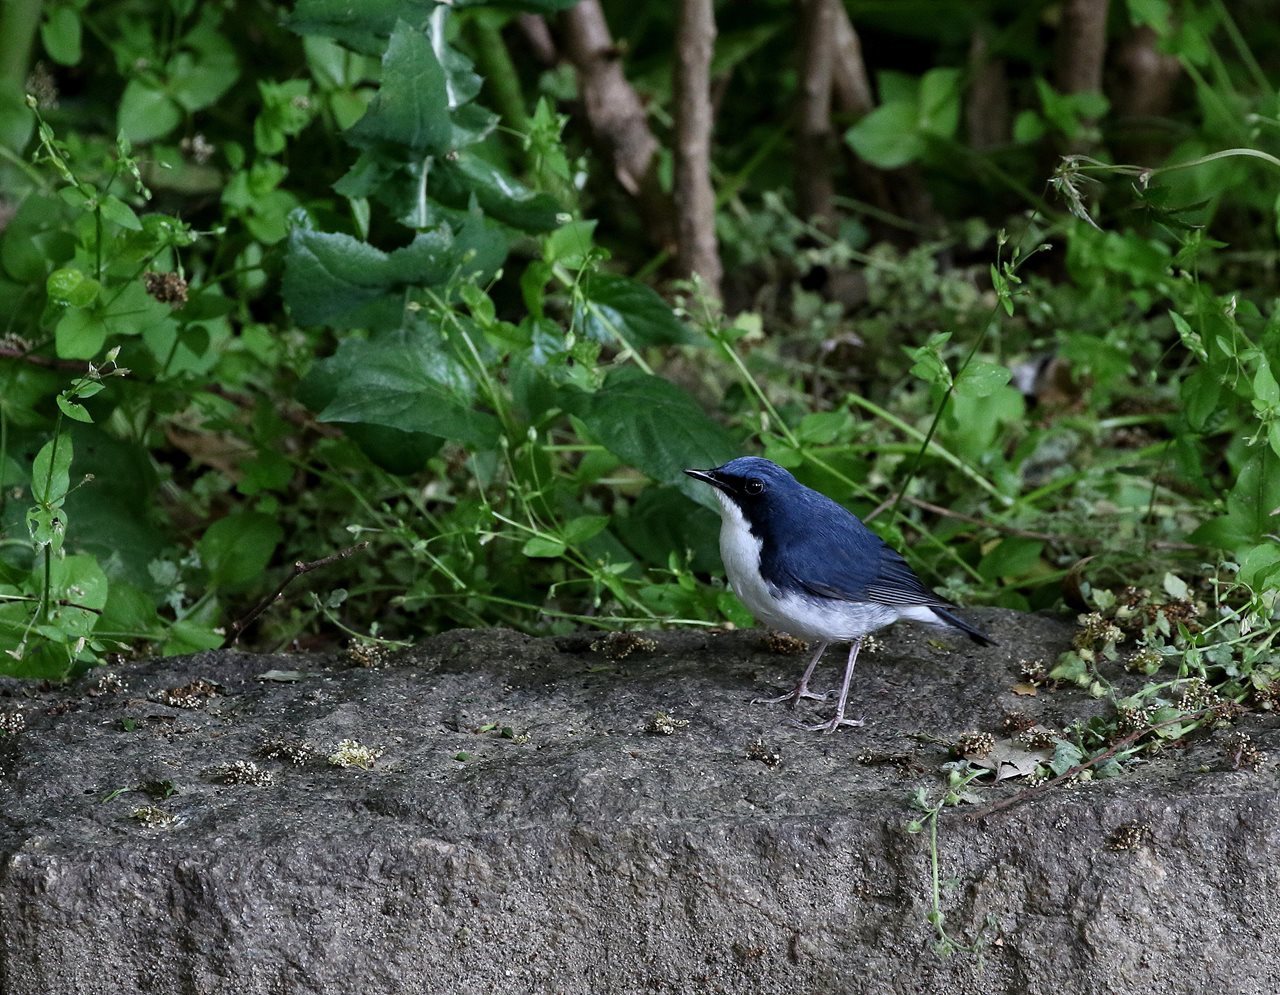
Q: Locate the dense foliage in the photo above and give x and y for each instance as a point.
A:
(278, 280)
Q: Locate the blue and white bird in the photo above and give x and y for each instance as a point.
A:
(803, 564)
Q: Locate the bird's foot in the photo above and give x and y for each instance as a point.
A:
(792, 696)
(835, 723)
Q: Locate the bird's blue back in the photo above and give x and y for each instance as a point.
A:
(810, 544)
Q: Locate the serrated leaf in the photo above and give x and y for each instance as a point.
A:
(621, 311)
(467, 175)
(411, 108)
(408, 382)
(656, 427)
(334, 279)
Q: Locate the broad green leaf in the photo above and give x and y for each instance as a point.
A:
(237, 549)
(364, 26)
(408, 382)
(982, 379)
(1265, 388)
(1200, 393)
(70, 286)
(147, 113)
(460, 178)
(411, 108)
(60, 35)
(621, 311)
(79, 334)
(940, 102)
(79, 580)
(51, 471)
(1012, 556)
(334, 279)
(656, 427)
(889, 136)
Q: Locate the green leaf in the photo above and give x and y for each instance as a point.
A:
(80, 580)
(940, 102)
(578, 530)
(51, 471)
(543, 547)
(656, 427)
(888, 137)
(459, 178)
(146, 113)
(79, 334)
(364, 26)
(1265, 388)
(60, 35)
(334, 279)
(72, 287)
(1012, 556)
(116, 210)
(236, 549)
(411, 107)
(405, 381)
(621, 311)
(74, 410)
(982, 379)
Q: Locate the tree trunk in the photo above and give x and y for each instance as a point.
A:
(616, 116)
(849, 73)
(987, 104)
(538, 37)
(1082, 46)
(697, 250)
(815, 191)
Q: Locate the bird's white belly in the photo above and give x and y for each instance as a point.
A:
(823, 619)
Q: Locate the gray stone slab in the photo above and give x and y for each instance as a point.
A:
(582, 854)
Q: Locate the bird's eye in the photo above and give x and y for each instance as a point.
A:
(754, 486)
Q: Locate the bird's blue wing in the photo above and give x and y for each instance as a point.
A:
(827, 552)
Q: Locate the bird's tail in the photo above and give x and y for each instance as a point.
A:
(955, 621)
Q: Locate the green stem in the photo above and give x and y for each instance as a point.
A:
(499, 72)
(929, 445)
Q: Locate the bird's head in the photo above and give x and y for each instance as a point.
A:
(750, 484)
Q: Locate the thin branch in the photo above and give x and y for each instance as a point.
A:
(299, 568)
(34, 359)
(1070, 772)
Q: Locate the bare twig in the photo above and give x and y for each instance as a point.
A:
(299, 568)
(34, 359)
(697, 250)
(1070, 772)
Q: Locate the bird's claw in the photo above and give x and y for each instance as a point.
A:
(792, 696)
(834, 724)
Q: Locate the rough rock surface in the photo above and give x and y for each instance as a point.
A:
(523, 832)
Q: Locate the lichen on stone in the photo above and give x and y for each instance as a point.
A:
(353, 754)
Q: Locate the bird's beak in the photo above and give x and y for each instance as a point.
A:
(707, 477)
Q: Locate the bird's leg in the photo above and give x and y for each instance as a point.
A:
(839, 719)
(801, 690)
